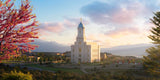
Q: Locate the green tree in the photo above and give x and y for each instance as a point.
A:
(151, 62)
(41, 60)
(24, 58)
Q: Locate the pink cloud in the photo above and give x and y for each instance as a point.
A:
(69, 23)
(128, 12)
(123, 16)
(49, 29)
(73, 22)
(43, 32)
(56, 27)
(52, 27)
(120, 32)
(117, 12)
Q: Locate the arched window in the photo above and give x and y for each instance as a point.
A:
(79, 55)
(79, 49)
(79, 42)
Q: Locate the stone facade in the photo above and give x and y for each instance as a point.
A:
(82, 51)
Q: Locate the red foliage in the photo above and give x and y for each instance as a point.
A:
(18, 28)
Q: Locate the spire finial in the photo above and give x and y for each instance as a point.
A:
(81, 19)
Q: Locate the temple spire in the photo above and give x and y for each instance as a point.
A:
(80, 19)
(81, 24)
(81, 32)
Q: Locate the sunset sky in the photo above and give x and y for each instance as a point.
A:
(109, 22)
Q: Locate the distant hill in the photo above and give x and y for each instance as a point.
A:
(49, 46)
(128, 50)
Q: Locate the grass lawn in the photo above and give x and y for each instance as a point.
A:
(55, 69)
(11, 62)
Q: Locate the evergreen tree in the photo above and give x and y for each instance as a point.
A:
(152, 61)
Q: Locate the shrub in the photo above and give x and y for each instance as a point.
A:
(117, 65)
(14, 75)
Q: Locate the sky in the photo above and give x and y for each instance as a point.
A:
(111, 23)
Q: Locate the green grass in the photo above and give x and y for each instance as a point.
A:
(11, 62)
(55, 69)
(92, 64)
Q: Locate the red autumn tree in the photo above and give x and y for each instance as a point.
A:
(18, 27)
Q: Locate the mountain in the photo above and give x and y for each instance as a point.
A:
(129, 50)
(50, 46)
(126, 50)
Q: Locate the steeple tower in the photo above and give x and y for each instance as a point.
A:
(83, 51)
(81, 33)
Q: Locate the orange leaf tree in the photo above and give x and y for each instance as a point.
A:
(18, 27)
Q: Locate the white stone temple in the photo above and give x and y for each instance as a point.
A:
(82, 51)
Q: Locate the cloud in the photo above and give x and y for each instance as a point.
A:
(52, 27)
(58, 27)
(49, 46)
(124, 21)
(118, 12)
(58, 30)
(120, 32)
(96, 11)
(73, 22)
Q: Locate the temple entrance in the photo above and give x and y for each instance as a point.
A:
(79, 60)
